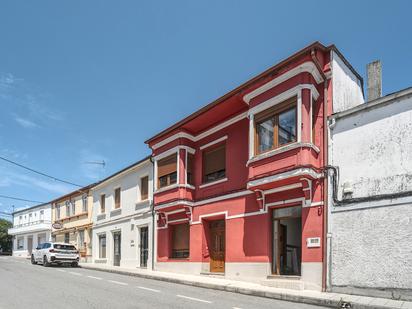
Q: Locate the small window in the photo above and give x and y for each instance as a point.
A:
(84, 204)
(67, 209)
(67, 238)
(214, 164)
(73, 205)
(189, 169)
(167, 171)
(275, 127)
(103, 203)
(117, 193)
(102, 246)
(180, 241)
(144, 188)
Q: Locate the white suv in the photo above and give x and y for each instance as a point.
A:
(55, 253)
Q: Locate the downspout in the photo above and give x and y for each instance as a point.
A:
(153, 216)
(325, 163)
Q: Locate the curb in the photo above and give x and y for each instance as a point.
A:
(331, 303)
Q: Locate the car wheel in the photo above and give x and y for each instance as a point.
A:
(75, 264)
(45, 262)
(33, 261)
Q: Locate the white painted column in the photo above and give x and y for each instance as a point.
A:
(299, 120)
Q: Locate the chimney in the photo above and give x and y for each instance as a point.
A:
(374, 71)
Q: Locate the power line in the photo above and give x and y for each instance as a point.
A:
(19, 199)
(40, 173)
(5, 213)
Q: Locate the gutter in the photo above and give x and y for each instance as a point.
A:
(153, 215)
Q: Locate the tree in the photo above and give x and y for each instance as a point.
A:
(5, 238)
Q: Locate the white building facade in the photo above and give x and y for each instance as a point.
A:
(370, 213)
(31, 226)
(122, 217)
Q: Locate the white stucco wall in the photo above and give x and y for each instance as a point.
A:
(347, 88)
(370, 240)
(128, 219)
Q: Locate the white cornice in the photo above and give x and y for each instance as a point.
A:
(308, 67)
(195, 138)
(296, 172)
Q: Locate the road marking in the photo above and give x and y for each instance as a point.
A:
(97, 278)
(195, 299)
(148, 289)
(61, 270)
(117, 282)
(236, 308)
(73, 273)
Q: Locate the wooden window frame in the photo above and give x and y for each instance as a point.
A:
(117, 204)
(190, 171)
(270, 113)
(144, 195)
(204, 153)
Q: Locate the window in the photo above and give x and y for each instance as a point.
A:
(214, 164)
(117, 198)
(81, 239)
(167, 171)
(102, 246)
(73, 204)
(64, 247)
(20, 219)
(144, 188)
(41, 215)
(20, 243)
(275, 127)
(66, 238)
(67, 209)
(46, 245)
(103, 203)
(189, 169)
(84, 204)
(180, 240)
(58, 211)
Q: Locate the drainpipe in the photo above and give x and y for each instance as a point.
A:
(325, 163)
(153, 216)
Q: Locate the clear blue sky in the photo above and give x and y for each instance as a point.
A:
(91, 80)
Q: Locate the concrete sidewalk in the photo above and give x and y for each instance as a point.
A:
(333, 300)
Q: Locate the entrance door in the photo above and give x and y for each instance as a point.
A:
(287, 241)
(217, 246)
(144, 246)
(117, 248)
(30, 244)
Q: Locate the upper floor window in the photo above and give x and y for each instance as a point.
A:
(41, 215)
(73, 205)
(189, 169)
(84, 204)
(58, 211)
(214, 163)
(67, 209)
(117, 198)
(167, 171)
(103, 203)
(144, 188)
(275, 127)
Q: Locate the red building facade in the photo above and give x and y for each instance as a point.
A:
(239, 185)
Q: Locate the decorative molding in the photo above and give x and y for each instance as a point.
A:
(308, 67)
(223, 138)
(283, 188)
(294, 173)
(195, 138)
(213, 183)
(282, 149)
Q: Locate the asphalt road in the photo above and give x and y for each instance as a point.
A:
(23, 285)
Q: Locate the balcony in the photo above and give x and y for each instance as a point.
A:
(28, 227)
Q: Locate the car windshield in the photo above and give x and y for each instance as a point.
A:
(64, 247)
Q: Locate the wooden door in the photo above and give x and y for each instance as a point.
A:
(217, 246)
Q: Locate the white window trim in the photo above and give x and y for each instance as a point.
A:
(221, 139)
(208, 184)
(280, 98)
(100, 203)
(140, 187)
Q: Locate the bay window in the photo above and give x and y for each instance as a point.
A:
(167, 171)
(276, 127)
